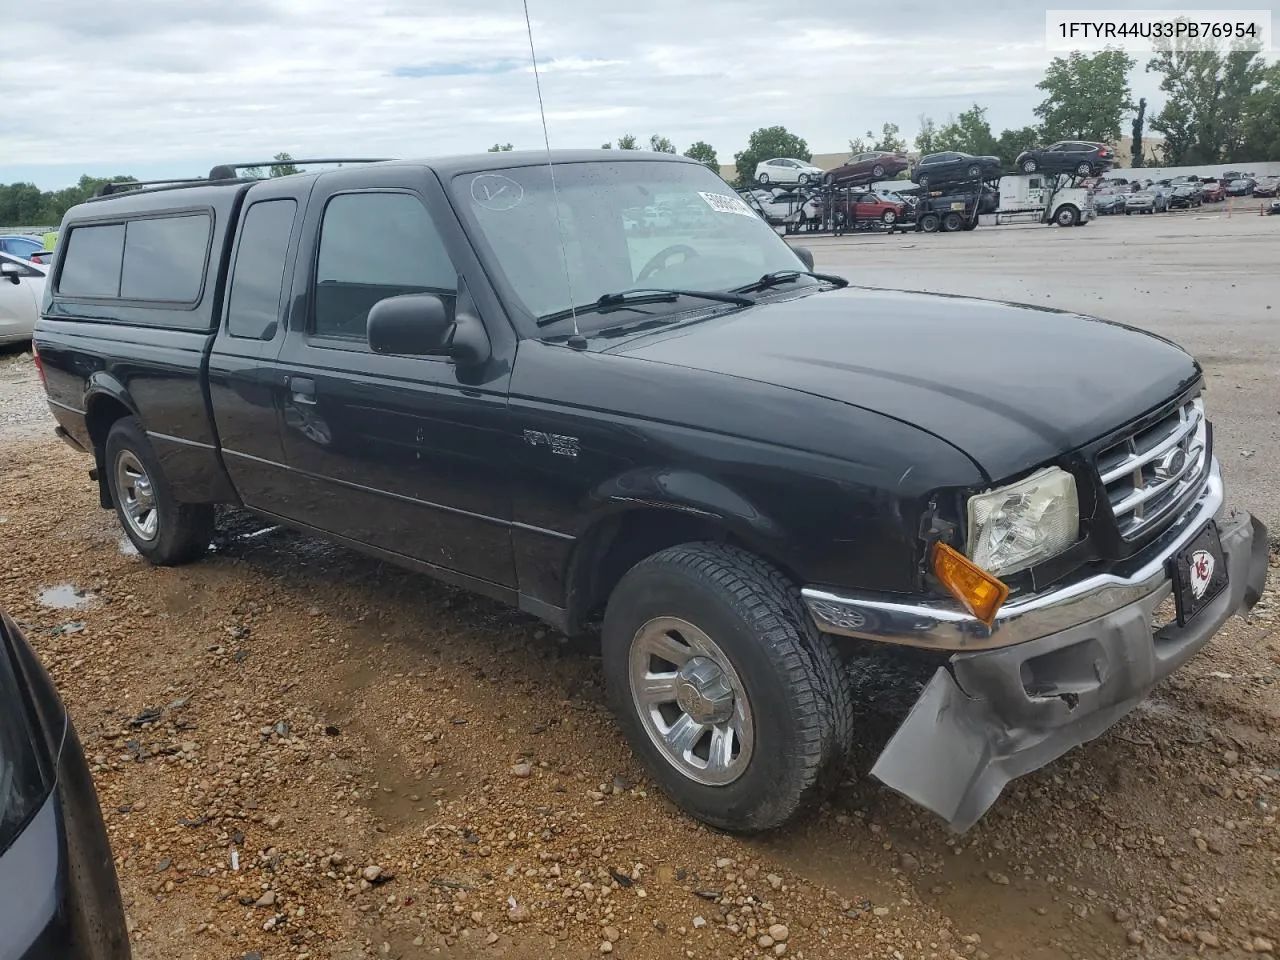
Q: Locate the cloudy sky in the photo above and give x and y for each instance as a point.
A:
(169, 87)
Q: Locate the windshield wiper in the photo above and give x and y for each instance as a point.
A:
(779, 277)
(641, 296)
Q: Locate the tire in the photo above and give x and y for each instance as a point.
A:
(878, 171)
(829, 180)
(924, 182)
(888, 218)
(1066, 216)
(1084, 170)
(974, 171)
(803, 179)
(785, 676)
(169, 533)
(952, 222)
(762, 179)
(971, 225)
(1029, 166)
(929, 223)
(1128, 213)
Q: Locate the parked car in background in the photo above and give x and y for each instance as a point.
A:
(1266, 186)
(21, 245)
(936, 169)
(870, 206)
(1212, 191)
(876, 165)
(1240, 187)
(1185, 195)
(786, 170)
(21, 292)
(59, 896)
(1068, 156)
(1109, 202)
(1146, 201)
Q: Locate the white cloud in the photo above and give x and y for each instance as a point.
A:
(173, 85)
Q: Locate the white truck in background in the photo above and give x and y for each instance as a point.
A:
(1042, 198)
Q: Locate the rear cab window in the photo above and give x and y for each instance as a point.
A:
(154, 259)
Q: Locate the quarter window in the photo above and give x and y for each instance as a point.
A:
(374, 246)
(257, 281)
(164, 258)
(91, 267)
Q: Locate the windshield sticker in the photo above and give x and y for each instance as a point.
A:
(726, 203)
(493, 191)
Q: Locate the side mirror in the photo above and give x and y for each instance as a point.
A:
(413, 324)
(11, 271)
(805, 255)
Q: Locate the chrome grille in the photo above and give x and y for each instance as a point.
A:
(1152, 472)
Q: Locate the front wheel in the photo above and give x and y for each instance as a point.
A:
(164, 531)
(974, 171)
(888, 218)
(1067, 217)
(762, 179)
(735, 704)
(1028, 166)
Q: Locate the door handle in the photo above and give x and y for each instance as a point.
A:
(303, 390)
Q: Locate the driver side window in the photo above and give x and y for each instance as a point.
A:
(374, 246)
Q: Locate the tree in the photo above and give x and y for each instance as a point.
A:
(1203, 117)
(1012, 142)
(968, 133)
(704, 153)
(285, 167)
(501, 148)
(661, 144)
(1136, 146)
(890, 139)
(606, 146)
(927, 138)
(1086, 96)
(26, 205)
(1260, 120)
(859, 145)
(765, 144)
(628, 142)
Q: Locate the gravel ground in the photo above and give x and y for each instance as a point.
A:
(305, 753)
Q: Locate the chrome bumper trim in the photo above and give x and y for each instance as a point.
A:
(943, 625)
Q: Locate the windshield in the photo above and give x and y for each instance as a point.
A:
(625, 224)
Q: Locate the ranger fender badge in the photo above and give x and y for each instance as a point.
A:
(560, 445)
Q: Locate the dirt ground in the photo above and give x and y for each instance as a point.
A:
(301, 753)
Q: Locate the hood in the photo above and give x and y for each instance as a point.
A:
(1012, 386)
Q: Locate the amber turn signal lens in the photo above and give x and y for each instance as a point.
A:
(980, 592)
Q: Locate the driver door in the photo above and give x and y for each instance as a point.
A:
(393, 452)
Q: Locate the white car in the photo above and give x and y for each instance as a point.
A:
(21, 292)
(784, 170)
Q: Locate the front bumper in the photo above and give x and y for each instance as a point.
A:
(1053, 674)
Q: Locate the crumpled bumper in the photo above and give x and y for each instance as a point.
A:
(999, 714)
(995, 714)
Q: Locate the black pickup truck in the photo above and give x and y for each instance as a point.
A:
(740, 469)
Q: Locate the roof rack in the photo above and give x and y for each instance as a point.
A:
(223, 173)
(227, 171)
(119, 186)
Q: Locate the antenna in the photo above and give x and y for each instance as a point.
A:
(551, 168)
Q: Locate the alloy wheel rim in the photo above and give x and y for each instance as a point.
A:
(691, 701)
(137, 496)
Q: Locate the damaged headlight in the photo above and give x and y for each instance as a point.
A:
(1020, 525)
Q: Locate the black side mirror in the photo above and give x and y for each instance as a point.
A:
(413, 324)
(11, 271)
(805, 255)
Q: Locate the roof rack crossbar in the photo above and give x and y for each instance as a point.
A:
(219, 172)
(116, 187)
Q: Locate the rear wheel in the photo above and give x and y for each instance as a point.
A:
(952, 222)
(1029, 165)
(165, 532)
(930, 222)
(878, 171)
(974, 171)
(762, 179)
(735, 704)
(1084, 169)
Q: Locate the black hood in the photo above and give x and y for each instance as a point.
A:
(1013, 386)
